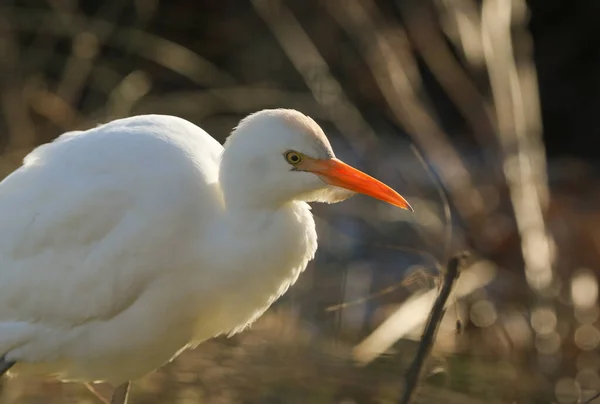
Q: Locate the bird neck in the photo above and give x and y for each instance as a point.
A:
(246, 196)
(268, 249)
(288, 222)
(270, 243)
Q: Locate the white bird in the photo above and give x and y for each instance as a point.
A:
(124, 244)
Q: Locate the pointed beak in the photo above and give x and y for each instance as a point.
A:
(340, 174)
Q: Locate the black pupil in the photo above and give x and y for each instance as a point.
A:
(294, 158)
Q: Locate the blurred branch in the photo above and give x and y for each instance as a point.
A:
(413, 375)
(239, 100)
(589, 400)
(21, 129)
(164, 52)
(127, 93)
(121, 394)
(426, 36)
(365, 299)
(443, 198)
(518, 112)
(314, 69)
(395, 71)
(462, 25)
(86, 45)
(426, 256)
(92, 389)
(414, 311)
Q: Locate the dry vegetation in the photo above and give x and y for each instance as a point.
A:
(438, 98)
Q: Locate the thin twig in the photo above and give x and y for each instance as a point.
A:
(367, 298)
(433, 322)
(121, 394)
(439, 186)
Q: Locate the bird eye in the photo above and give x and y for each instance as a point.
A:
(294, 158)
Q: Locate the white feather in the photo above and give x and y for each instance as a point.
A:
(123, 244)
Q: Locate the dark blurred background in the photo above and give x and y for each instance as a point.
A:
(483, 113)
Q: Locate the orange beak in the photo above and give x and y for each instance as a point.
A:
(340, 174)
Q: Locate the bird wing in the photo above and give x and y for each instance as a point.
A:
(90, 220)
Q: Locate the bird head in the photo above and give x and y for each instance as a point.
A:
(279, 155)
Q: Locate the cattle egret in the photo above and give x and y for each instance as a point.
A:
(126, 243)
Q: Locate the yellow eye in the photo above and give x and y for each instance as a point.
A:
(294, 158)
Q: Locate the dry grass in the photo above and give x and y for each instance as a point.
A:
(436, 97)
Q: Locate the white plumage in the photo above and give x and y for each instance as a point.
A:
(123, 244)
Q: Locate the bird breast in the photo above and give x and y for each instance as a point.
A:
(267, 256)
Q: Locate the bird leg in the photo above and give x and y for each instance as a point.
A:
(120, 394)
(5, 365)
